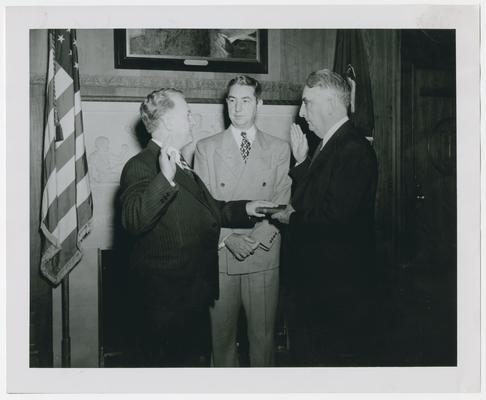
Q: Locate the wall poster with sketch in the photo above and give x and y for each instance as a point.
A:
(214, 50)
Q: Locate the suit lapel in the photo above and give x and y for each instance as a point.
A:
(259, 159)
(322, 157)
(196, 187)
(193, 186)
(230, 154)
(328, 148)
(190, 183)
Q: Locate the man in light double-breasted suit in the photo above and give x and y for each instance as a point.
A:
(244, 162)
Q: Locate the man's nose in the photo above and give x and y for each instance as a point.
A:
(238, 106)
(302, 111)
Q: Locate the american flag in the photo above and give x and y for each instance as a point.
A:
(67, 205)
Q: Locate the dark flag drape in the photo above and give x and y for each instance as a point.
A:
(351, 61)
(67, 206)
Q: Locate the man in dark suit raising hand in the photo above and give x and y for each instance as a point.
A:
(331, 230)
(174, 224)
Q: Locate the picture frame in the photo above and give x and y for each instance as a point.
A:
(211, 50)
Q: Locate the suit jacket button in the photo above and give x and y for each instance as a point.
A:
(264, 184)
(222, 184)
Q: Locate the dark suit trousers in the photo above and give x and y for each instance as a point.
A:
(181, 339)
(335, 331)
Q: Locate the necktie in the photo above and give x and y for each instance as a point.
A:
(316, 152)
(184, 164)
(245, 146)
(185, 167)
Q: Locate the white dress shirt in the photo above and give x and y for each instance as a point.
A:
(250, 134)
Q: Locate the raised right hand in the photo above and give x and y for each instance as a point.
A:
(298, 143)
(167, 164)
(241, 246)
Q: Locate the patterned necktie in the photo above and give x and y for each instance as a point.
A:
(184, 164)
(245, 146)
(185, 167)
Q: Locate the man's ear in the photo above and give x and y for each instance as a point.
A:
(167, 120)
(259, 102)
(333, 101)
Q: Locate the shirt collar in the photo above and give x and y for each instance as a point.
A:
(333, 130)
(172, 151)
(157, 142)
(250, 133)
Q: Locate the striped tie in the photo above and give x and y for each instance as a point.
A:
(185, 167)
(184, 164)
(245, 146)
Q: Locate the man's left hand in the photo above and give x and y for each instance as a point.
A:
(284, 215)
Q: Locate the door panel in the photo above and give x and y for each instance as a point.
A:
(434, 157)
(425, 301)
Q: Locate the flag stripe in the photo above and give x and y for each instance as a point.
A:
(64, 102)
(77, 102)
(78, 124)
(67, 203)
(62, 81)
(81, 169)
(65, 175)
(67, 125)
(50, 90)
(83, 210)
(63, 153)
(65, 225)
(49, 195)
(49, 157)
(61, 205)
(82, 190)
(51, 219)
(50, 67)
(80, 148)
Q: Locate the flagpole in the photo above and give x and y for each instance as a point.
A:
(66, 339)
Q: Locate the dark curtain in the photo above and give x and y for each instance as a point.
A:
(351, 55)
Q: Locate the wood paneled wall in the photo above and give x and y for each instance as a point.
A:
(304, 51)
(383, 48)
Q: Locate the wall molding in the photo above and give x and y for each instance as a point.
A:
(135, 88)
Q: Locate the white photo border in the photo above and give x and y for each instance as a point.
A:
(463, 378)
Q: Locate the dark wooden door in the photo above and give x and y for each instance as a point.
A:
(427, 228)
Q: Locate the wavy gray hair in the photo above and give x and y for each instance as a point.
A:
(155, 106)
(327, 79)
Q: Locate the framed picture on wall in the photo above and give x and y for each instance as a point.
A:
(212, 50)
